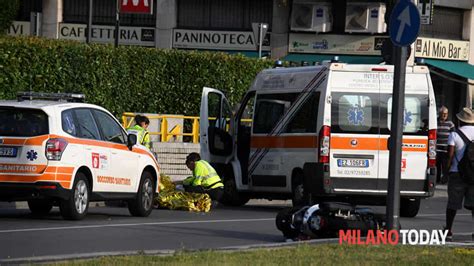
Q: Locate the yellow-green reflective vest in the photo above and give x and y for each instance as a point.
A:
(206, 176)
(143, 137)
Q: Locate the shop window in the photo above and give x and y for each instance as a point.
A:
(76, 11)
(223, 14)
(28, 6)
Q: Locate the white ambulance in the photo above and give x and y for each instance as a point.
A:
(57, 152)
(321, 133)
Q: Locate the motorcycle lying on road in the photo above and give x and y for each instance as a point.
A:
(325, 220)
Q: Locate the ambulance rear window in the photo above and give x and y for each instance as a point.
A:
(354, 113)
(415, 114)
(22, 122)
(371, 113)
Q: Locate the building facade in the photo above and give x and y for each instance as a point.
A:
(298, 31)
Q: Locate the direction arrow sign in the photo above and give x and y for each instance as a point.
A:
(404, 23)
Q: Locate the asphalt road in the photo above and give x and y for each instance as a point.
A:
(109, 230)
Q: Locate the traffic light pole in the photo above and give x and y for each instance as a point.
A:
(396, 135)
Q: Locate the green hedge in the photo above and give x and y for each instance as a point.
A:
(124, 79)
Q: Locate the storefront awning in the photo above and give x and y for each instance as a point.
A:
(351, 59)
(459, 68)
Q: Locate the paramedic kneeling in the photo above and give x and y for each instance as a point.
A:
(205, 178)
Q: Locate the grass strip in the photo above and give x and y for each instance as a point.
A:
(304, 254)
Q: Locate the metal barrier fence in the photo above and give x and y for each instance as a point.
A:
(164, 134)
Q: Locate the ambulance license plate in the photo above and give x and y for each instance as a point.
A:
(8, 151)
(362, 163)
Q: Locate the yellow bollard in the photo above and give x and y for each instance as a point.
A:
(195, 130)
(124, 121)
(164, 129)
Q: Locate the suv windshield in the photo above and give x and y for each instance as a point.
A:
(20, 122)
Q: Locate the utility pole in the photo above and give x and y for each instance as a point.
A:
(117, 23)
(404, 28)
(89, 22)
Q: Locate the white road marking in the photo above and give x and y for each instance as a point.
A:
(441, 214)
(134, 224)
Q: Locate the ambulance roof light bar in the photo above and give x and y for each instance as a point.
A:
(67, 97)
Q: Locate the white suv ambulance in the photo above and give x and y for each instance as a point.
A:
(321, 132)
(62, 152)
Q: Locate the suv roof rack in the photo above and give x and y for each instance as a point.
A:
(67, 97)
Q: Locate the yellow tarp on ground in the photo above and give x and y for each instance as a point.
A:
(172, 199)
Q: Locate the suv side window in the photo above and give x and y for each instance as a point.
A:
(87, 127)
(110, 129)
(68, 122)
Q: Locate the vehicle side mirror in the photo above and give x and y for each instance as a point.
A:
(131, 141)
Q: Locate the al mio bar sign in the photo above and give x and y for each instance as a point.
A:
(442, 49)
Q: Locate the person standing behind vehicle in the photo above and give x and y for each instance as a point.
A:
(204, 179)
(140, 129)
(445, 127)
(459, 187)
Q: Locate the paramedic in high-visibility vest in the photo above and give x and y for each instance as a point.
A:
(140, 129)
(204, 179)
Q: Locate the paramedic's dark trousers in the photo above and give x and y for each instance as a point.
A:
(215, 194)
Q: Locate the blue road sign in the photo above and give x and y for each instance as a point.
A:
(404, 23)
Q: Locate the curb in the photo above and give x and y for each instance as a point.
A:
(170, 252)
(158, 252)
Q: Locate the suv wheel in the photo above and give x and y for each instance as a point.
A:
(142, 205)
(77, 205)
(40, 206)
(409, 207)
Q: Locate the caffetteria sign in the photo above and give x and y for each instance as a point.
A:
(105, 34)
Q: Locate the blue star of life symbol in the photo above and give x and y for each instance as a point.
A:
(355, 116)
(407, 117)
(31, 155)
